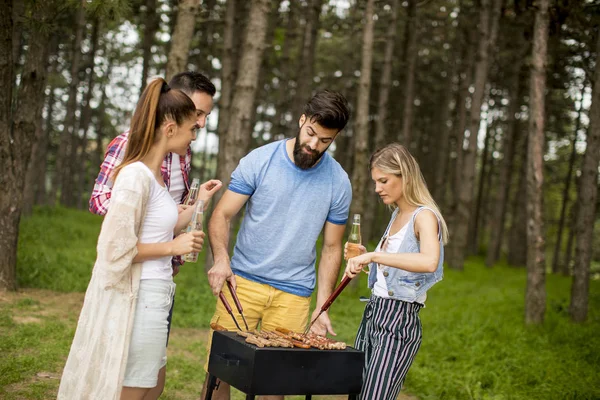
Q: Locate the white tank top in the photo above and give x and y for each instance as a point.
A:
(157, 227)
(391, 245)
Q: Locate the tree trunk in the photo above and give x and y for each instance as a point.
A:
(35, 181)
(517, 240)
(9, 211)
(508, 148)
(566, 268)
(18, 14)
(586, 211)
(84, 123)
(472, 244)
(487, 24)
(304, 81)
(386, 76)
(281, 125)
(410, 56)
(29, 106)
(227, 81)
(63, 161)
(151, 26)
(556, 265)
(182, 37)
(41, 196)
(466, 77)
(535, 296)
(361, 126)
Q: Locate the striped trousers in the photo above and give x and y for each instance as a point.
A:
(390, 336)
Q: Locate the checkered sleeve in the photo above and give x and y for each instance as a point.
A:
(100, 199)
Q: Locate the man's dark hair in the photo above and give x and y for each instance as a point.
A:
(190, 82)
(329, 109)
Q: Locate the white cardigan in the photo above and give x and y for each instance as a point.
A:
(98, 357)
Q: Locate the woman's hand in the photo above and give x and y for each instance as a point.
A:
(190, 242)
(353, 250)
(356, 264)
(208, 189)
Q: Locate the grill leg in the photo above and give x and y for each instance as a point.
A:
(308, 397)
(212, 384)
(352, 397)
(250, 397)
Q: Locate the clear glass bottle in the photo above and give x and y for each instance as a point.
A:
(354, 240)
(195, 225)
(193, 194)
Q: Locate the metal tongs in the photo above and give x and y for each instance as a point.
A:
(238, 305)
(330, 300)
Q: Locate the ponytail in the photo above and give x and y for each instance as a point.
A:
(157, 103)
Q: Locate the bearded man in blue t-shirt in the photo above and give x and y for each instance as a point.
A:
(292, 189)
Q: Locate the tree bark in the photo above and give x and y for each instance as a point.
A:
(410, 56)
(361, 126)
(151, 25)
(9, 211)
(507, 165)
(84, 123)
(457, 252)
(386, 76)
(29, 106)
(473, 243)
(227, 82)
(281, 125)
(304, 80)
(535, 296)
(182, 37)
(239, 130)
(586, 211)
(517, 241)
(64, 163)
(556, 264)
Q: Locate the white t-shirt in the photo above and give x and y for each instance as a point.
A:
(176, 184)
(157, 227)
(392, 245)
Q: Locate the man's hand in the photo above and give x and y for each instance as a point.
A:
(322, 326)
(218, 274)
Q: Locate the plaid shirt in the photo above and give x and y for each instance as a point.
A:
(100, 199)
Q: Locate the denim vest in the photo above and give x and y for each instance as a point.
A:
(401, 284)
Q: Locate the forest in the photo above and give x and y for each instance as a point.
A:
(498, 101)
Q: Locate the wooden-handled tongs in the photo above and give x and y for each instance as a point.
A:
(330, 300)
(238, 305)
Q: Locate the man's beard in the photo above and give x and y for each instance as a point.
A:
(302, 159)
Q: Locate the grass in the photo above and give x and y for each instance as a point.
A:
(475, 345)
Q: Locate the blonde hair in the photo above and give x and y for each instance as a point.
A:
(396, 159)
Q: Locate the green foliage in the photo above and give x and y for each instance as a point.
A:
(475, 344)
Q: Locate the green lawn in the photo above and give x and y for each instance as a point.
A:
(475, 345)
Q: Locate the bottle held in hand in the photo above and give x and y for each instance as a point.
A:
(193, 194)
(354, 240)
(195, 225)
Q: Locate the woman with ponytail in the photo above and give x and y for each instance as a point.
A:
(405, 264)
(120, 342)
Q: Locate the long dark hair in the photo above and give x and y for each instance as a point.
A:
(157, 103)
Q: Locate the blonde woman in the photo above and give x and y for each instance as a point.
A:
(405, 265)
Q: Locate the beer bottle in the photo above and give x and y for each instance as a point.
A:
(354, 240)
(191, 197)
(195, 225)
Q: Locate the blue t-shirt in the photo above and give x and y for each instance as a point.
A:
(286, 211)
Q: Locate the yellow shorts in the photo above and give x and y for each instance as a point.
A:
(263, 305)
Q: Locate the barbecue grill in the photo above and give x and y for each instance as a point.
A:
(282, 371)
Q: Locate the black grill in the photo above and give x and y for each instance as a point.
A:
(283, 371)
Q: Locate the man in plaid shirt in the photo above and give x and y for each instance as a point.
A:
(175, 170)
